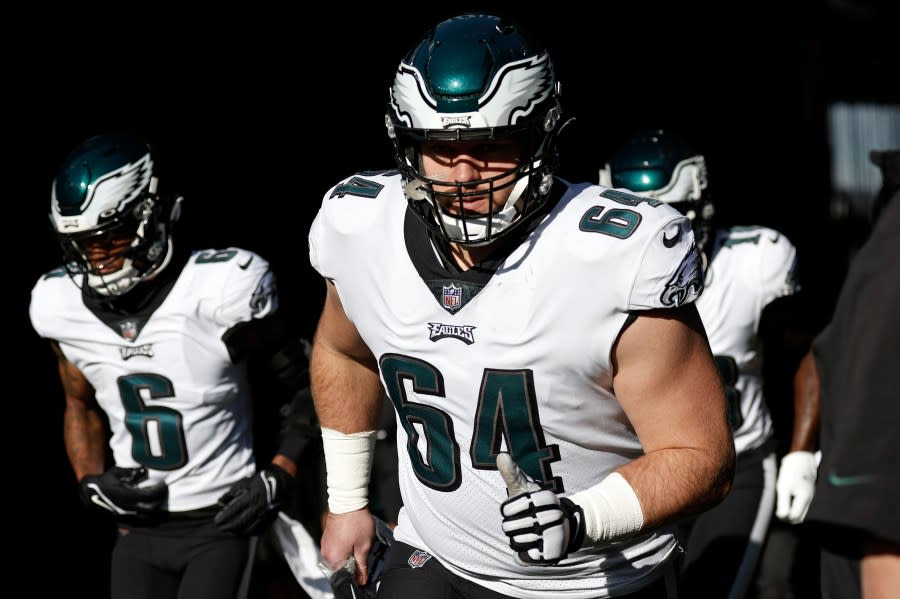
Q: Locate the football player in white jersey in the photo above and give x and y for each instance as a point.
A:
(156, 340)
(745, 269)
(557, 403)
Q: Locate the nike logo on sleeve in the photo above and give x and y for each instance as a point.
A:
(671, 242)
(847, 481)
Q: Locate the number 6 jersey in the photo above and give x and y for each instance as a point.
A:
(176, 401)
(512, 356)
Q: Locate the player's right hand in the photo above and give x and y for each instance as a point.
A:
(349, 535)
(343, 581)
(117, 491)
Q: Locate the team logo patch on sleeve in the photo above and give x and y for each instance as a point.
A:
(264, 296)
(686, 284)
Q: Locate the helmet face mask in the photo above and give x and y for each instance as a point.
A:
(442, 203)
(111, 224)
(117, 255)
(475, 78)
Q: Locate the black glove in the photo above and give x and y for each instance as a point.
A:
(117, 491)
(250, 505)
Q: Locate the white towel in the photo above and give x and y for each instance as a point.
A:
(301, 552)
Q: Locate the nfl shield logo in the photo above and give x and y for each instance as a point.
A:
(418, 558)
(128, 329)
(452, 297)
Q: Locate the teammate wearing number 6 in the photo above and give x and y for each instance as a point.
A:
(507, 311)
(156, 341)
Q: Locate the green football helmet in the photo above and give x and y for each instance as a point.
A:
(476, 77)
(663, 165)
(106, 191)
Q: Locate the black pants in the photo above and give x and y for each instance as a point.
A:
(840, 574)
(723, 545)
(149, 566)
(430, 580)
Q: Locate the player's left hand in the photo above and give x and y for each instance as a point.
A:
(252, 503)
(542, 527)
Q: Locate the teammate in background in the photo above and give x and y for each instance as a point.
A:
(789, 566)
(799, 467)
(155, 340)
(798, 476)
(853, 397)
(744, 270)
(558, 405)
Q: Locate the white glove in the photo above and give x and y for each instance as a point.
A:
(795, 486)
(542, 527)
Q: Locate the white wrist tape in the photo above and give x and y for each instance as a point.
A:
(612, 511)
(348, 464)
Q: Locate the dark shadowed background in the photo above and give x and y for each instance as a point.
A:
(258, 113)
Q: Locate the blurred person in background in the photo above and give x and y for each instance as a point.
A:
(745, 270)
(854, 386)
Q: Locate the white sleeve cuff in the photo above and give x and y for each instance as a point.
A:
(348, 465)
(612, 511)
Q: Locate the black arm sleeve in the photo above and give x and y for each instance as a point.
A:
(299, 424)
(278, 362)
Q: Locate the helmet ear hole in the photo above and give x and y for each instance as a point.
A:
(551, 119)
(143, 209)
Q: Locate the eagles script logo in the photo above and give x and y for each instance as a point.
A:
(145, 350)
(464, 333)
(455, 121)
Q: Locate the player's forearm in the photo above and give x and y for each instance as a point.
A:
(285, 463)
(347, 393)
(676, 483)
(84, 436)
(805, 433)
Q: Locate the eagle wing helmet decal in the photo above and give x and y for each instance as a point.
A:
(514, 93)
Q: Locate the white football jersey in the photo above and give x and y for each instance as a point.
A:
(520, 361)
(175, 401)
(750, 267)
